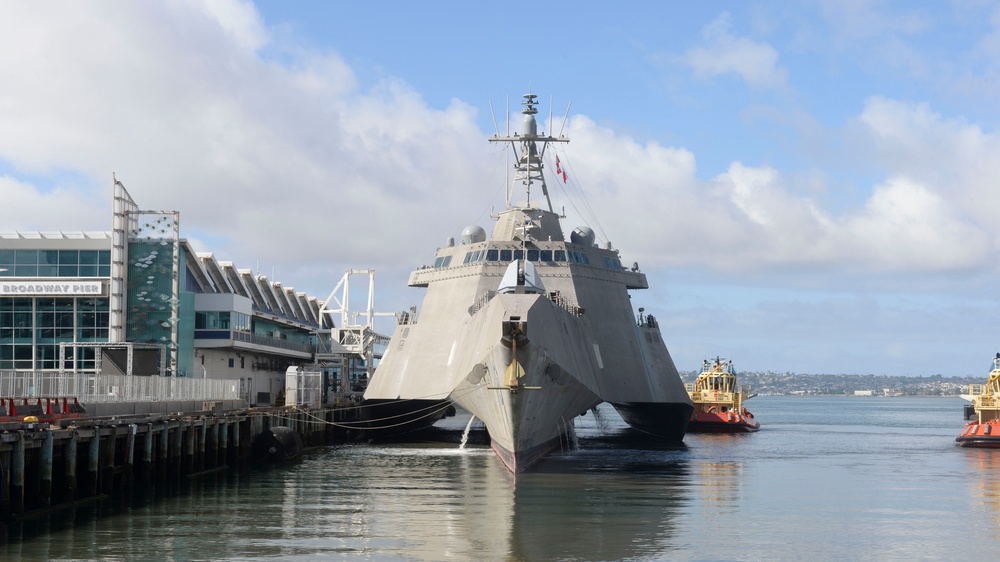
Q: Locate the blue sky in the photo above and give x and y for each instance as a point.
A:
(809, 186)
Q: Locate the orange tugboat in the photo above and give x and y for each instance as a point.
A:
(718, 402)
(984, 429)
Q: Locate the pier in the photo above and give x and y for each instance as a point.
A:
(46, 465)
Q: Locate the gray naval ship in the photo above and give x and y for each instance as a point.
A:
(527, 330)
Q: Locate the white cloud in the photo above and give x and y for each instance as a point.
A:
(722, 52)
(277, 163)
(932, 214)
(907, 227)
(952, 157)
(27, 208)
(291, 166)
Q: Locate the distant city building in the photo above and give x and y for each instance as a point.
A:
(138, 300)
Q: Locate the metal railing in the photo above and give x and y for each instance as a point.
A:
(269, 341)
(554, 296)
(94, 388)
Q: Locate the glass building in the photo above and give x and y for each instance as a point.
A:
(53, 289)
(75, 302)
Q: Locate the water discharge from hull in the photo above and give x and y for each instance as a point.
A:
(465, 434)
(599, 419)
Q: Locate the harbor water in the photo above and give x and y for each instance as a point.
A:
(826, 478)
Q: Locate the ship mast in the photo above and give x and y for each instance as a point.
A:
(528, 155)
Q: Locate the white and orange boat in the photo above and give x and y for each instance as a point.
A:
(984, 429)
(718, 401)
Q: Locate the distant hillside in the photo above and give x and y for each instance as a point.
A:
(879, 385)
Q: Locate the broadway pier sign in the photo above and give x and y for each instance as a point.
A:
(51, 288)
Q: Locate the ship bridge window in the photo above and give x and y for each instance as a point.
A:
(519, 254)
(473, 257)
(613, 263)
(505, 255)
(560, 255)
(492, 255)
(579, 257)
(546, 255)
(532, 255)
(443, 261)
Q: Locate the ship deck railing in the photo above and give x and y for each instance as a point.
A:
(983, 401)
(554, 296)
(720, 396)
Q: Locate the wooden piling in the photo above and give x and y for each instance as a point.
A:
(177, 434)
(45, 470)
(202, 433)
(129, 461)
(17, 475)
(107, 462)
(147, 454)
(88, 458)
(93, 458)
(162, 450)
(69, 467)
(190, 437)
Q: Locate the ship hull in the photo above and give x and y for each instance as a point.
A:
(668, 421)
(389, 418)
(519, 461)
(706, 422)
(562, 371)
(529, 416)
(982, 435)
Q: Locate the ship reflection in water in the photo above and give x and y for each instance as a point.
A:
(827, 478)
(602, 499)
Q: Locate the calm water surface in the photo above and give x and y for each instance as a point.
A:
(826, 478)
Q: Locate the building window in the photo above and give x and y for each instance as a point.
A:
(211, 320)
(31, 330)
(56, 263)
(230, 362)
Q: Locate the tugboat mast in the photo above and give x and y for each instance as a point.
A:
(529, 165)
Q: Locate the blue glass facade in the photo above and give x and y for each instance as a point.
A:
(31, 329)
(55, 263)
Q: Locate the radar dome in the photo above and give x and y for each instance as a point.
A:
(582, 235)
(473, 234)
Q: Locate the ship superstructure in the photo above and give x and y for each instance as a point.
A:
(527, 330)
